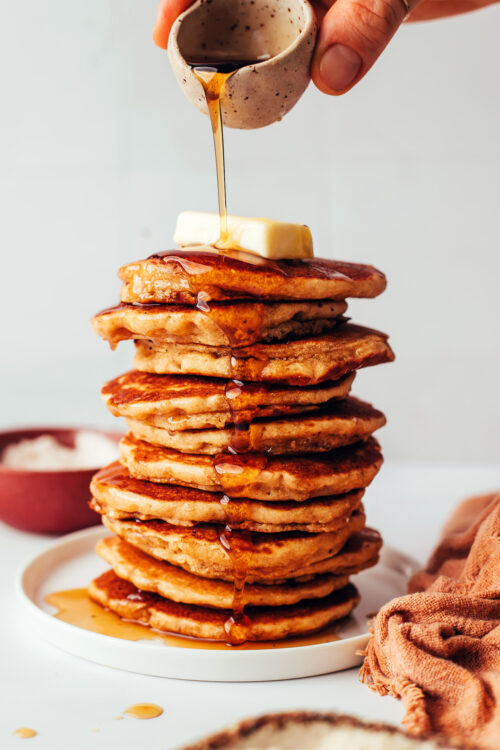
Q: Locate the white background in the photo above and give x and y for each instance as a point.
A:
(100, 151)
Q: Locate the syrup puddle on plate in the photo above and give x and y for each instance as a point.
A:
(75, 607)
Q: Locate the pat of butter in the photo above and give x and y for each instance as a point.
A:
(265, 237)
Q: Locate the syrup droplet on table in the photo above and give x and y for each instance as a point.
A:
(144, 711)
(24, 733)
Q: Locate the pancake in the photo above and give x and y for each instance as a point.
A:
(212, 551)
(192, 403)
(121, 496)
(230, 324)
(177, 584)
(180, 276)
(342, 423)
(258, 476)
(360, 552)
(260, 623)
(301, 362)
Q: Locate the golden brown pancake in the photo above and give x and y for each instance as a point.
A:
(180, 402)
(342, 423)
(180, 276)
(295, 362)
(121, 496)
(258, 476)
(260, 623)
(360, 552)
(230, 324)
(177, 584)
(213, 551)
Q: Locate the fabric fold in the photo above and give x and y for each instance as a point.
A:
(438, 648)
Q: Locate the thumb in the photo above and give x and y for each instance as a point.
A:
(352, 35)
(168, 10)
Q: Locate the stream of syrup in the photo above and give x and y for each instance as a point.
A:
(213, 74)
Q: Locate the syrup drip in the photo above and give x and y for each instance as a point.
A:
(75, 607)
(239, 547)
(213, 80)
(240, 434)
(213, 74)
(197, 267)
(238, 544)
(202, 302)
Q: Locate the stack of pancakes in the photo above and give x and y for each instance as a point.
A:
(237, 504)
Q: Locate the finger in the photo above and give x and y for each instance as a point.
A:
(168, 11)
(431, 9)
(352, 35)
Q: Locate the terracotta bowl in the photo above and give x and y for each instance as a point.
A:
(258, 94)
(47, 502)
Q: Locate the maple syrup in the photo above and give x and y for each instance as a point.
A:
(213, 74)
(237, 543)
(239, 546)
(75, 607)
(144, 711)
(24, 733)
(196, 261)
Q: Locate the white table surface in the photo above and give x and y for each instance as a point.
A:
(72, 703)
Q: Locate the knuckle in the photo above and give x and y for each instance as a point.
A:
(375, 21)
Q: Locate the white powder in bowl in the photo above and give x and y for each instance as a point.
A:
(45, 453)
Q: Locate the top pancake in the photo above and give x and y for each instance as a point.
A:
(180, 276)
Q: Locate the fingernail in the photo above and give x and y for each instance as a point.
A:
(339, 66)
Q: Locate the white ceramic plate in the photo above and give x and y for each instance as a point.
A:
(71, 562)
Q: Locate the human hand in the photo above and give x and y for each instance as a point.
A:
(352, 33)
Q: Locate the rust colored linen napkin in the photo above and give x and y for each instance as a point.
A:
(438, 648)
